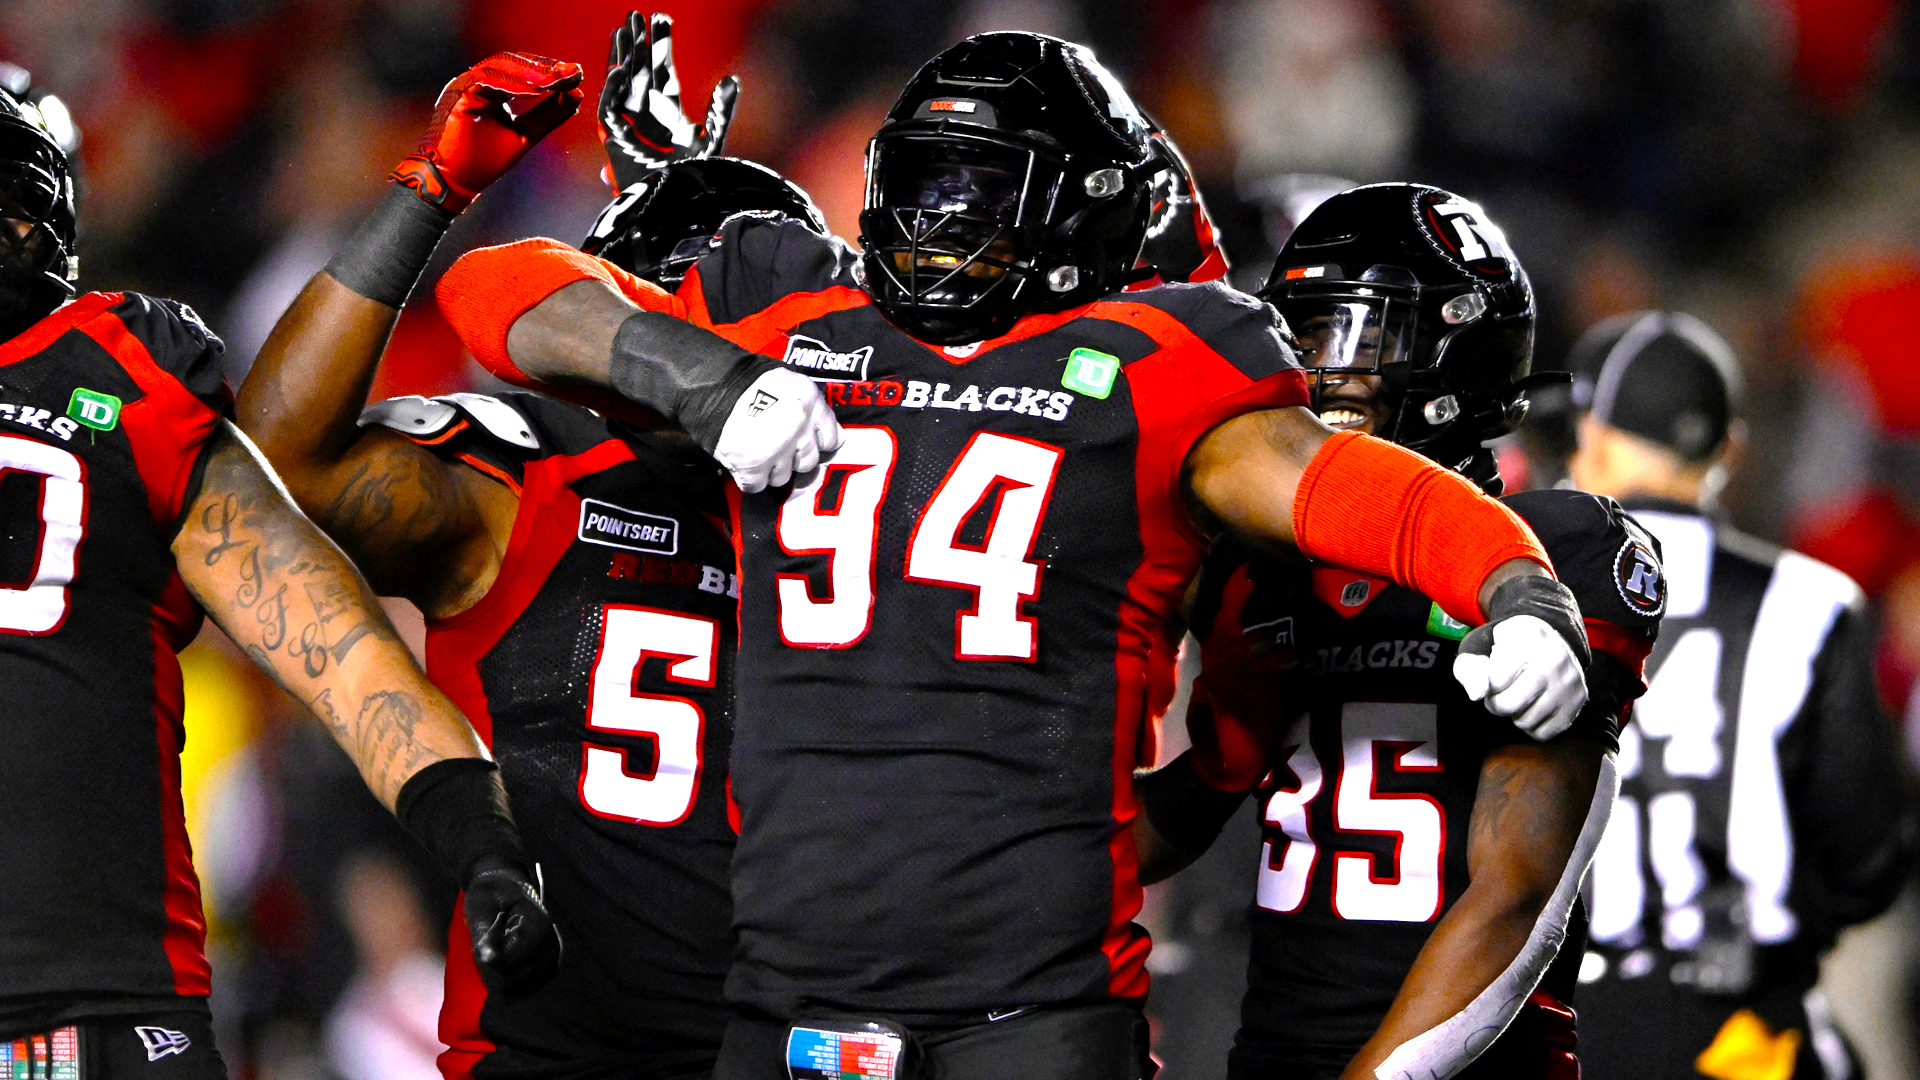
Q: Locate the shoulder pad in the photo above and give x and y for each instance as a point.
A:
(423, 418)
(1610, 561)
(1248, 333)
(500, 419)
(759, 257)
(179, 343)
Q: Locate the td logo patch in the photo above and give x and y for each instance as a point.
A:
(1637, 574)
(1090, 372)
(98, 411)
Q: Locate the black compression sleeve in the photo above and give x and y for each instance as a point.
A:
(383, 259)
(1185, 810)
(457, 809)
(683, 371)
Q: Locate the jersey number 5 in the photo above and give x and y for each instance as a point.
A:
(37, 604)
(1011, 477)
(628, 635)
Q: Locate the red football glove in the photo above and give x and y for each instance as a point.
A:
(487, 119)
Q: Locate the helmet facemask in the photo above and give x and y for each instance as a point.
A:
(951, 229)
(37, 267)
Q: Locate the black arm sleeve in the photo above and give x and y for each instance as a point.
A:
(1185, 810)
(1849, 789)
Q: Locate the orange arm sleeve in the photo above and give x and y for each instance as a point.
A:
(1381, 509)
(487, 289)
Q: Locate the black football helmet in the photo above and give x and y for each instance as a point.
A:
(38, 266)
(659, 227)
(1414, 284)
(1014, 175)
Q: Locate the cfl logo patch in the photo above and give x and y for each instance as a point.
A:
(161, 1041)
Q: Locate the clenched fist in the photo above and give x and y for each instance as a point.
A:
(486, 120)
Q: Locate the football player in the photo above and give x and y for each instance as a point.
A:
(1764, 805)
(934, 739)
(1422, 856)
(577, 581)
(132, 508)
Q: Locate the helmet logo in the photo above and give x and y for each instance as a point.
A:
(952, 106)
(1461, 233)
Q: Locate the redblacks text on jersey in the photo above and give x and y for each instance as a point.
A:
(947, 632)
(1337, 688)
(597, 669)
(106, 408)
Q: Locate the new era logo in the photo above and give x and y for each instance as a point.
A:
(161, 1041)
(762, 401)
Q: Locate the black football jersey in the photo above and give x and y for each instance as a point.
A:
(106, 408)
(948, 634)
(1371, 754)
(1761, 807)
(597, 669)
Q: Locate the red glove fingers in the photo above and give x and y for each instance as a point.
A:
(486, 120)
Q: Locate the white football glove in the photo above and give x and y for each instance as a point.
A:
(778, 429)
(1531, 676)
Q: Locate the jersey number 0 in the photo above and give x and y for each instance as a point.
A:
(1011, 477)
(38, 604)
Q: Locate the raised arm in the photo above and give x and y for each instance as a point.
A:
(293, 601)
(542, 315)
(1280, 476)
(1537, 817)
(418, 526)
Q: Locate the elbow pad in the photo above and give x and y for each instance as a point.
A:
(1444, 1050)
(1368, 505)
(690, 374)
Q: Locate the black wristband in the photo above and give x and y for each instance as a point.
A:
(683, 371)
(457, 809)
(383, 259)
(1545, 599)
(1185, 810)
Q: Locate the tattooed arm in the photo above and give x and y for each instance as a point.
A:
(1532, 802)
(284, 593)
(430, 530)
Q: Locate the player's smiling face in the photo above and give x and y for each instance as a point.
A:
(1347, 395)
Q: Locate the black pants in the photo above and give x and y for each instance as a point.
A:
(1083, 1042)
(137, 1046)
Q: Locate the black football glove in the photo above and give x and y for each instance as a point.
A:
(515, 944)
(1527, 662)
(457, 809)
(641, 119)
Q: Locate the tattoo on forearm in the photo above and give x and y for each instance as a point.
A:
(267, 550)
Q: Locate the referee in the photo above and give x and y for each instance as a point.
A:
(1764, 804)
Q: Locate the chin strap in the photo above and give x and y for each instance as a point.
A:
(1443, 1051)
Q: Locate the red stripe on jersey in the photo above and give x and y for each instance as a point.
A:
(497, 473)
(1179, 392)
(185, 937)
(1627, 646)
(466, 997)
(543, 529)
(37, 337)
(167, 428)
(693, 293)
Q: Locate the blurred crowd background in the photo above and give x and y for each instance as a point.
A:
(1755, 162)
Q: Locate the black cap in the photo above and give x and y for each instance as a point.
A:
(1662, 375)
